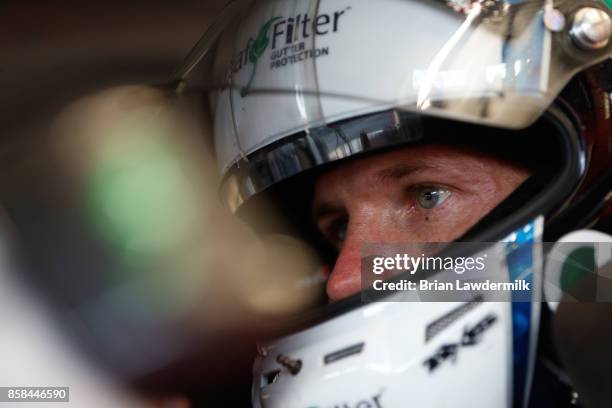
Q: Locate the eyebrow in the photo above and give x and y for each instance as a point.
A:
(398, 172)
(393, 173)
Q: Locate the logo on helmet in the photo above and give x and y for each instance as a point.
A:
(287, 39)
(471, 337)
(257, 49)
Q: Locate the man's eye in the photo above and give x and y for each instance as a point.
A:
(430, 197)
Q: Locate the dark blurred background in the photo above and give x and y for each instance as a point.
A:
(52, 54)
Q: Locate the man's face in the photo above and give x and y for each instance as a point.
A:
(431, 193)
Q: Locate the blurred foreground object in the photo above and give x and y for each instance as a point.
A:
(34, 352)
(138, 259)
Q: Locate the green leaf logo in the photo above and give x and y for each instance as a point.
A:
(262, 41)
(257, 49)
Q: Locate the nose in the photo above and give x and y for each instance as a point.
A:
(345, 278)
(366, 225)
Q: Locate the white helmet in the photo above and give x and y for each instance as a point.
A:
(295, 85)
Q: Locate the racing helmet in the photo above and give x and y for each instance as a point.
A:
(292, 87)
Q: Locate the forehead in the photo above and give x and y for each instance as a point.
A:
(394, 164)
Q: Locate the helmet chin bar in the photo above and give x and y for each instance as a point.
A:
(398, 351)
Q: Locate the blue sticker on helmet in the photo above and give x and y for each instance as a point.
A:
(520, 262)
